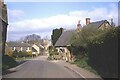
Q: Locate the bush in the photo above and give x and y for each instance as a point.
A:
(53, 54)
(52, 51)
(81, 40)
(15, 53)
(79, 51)
(29, 54)
(22, 54)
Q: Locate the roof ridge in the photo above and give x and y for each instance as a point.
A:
(69, 30)
(98, 21)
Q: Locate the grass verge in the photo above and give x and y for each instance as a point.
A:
(82, 63)
(8, 62)
(23, 58)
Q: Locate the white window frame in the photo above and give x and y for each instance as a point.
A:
(21, 48)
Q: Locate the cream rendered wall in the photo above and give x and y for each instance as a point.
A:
(37, 48)
(66, 54)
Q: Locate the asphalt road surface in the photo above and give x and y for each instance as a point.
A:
(41, 68)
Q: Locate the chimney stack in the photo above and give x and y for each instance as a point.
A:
(87, 21)
(79, 26)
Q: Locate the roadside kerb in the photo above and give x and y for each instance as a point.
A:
(74, 71)
(14, 68)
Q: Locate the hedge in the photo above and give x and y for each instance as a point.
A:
(8, 62)
(103, 53)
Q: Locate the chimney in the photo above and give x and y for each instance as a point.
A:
(87, 21)
(79, 26)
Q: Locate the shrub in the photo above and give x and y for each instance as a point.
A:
(79, 51)
(53, 54)
(15, 53)
(22, 54)
(29, 54)
(81, 40)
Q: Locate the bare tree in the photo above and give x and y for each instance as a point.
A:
(31, 39)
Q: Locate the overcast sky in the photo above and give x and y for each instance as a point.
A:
(42, 17)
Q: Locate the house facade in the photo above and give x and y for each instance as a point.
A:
(24, 47)
(12, 46)
(3, 25)
(63, 43)
(37, 49)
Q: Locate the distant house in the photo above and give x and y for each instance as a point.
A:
(37, 49)
(12, 46)
(46, 43)
(63, 43)
(25, 47)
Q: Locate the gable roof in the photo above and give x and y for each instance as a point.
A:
(96, 24)
(65, 37)
(18, 44)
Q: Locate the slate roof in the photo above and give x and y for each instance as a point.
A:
(18, 44)
(65, 37)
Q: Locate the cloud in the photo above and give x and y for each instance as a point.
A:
(97, 14)
(14, 14)
(44, 26)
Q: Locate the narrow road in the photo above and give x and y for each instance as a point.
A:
(41, 68)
